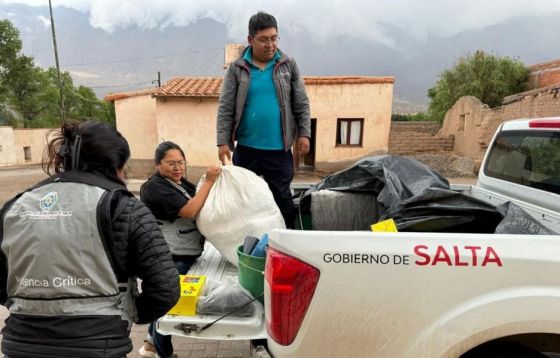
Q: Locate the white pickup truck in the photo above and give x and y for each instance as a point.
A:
(415, 294)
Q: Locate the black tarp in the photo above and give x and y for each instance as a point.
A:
(419, 199)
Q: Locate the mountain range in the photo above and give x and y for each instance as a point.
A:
(130, 58)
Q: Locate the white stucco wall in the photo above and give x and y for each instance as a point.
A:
(7, 152)
(35, 139)
(372, 102)
(136, 120)
(191, 123)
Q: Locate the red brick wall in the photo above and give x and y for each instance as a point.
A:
(544, 74)
(417, 137)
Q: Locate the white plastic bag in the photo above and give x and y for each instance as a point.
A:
(226, 297)
(239, 204)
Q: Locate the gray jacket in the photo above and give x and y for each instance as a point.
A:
(290, 89)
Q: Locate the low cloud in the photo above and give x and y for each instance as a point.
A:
(320, 20)
(46, 22)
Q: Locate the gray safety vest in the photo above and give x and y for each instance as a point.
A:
(182, 235)
(58, 261)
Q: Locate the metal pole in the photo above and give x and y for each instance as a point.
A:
(61, 102)
(158, 79)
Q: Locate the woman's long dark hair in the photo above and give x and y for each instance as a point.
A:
(91, 146)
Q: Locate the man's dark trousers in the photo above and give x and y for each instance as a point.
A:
(277, 169)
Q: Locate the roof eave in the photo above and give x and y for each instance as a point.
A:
(168, 95)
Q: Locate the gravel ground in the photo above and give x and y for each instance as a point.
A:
(16, 179)
(448, 165)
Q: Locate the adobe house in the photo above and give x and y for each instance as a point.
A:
(22, 146)
(351, 118)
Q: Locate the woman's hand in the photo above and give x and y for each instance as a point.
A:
(212, 173)
(193, 206)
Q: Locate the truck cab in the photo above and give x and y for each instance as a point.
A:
(523, 160)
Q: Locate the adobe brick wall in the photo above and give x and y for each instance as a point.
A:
(472, 123)
(418, 137)
(544, 74)
(544, 102)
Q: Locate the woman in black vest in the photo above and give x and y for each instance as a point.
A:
(175, 203)
(73, 247)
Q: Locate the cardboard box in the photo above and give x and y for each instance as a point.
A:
(191, 288)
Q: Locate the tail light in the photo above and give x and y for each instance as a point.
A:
(545, 123)
(292, 283)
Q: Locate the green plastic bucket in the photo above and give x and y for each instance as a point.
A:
(303, 222)
(251, 273)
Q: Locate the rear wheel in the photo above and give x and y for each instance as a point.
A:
(503, 350)
(259, 348)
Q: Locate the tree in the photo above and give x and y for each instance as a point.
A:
(487, 77)
(81, 103)
(28, 88)
(23, 85)
(10, 45)
(33, 92)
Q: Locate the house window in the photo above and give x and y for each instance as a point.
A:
(27, 153)
(349, 132)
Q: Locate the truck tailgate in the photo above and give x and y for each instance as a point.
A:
(212, 265)
(419, 294)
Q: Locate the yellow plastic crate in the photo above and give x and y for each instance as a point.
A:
(191, 288)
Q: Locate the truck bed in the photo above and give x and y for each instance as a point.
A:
(212, 265)
(216, 268)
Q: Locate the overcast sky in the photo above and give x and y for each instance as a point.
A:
(318, 19)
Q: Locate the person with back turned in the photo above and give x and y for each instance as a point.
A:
(72, 248)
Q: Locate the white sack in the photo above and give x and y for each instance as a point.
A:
(239, 204)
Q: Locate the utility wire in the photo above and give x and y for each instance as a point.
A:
(204, 65)
(84, 98)
(72, 89)
(141, 58)
(123, 85)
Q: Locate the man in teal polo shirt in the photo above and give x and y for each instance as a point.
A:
(263, 106)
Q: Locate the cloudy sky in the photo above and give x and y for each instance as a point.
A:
(318, 19)
(413, 40)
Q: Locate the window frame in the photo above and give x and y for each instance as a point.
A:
(27, 153)
(349, 132)
(515, 145)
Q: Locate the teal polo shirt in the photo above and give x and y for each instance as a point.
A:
(261, 125)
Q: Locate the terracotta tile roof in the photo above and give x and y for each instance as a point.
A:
(190, 87)
(123, 95)
(210, 86)
(340, 80)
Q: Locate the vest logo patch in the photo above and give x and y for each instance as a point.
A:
(49, 200)
(46, 203)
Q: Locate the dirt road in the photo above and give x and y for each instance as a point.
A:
(16, 179)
